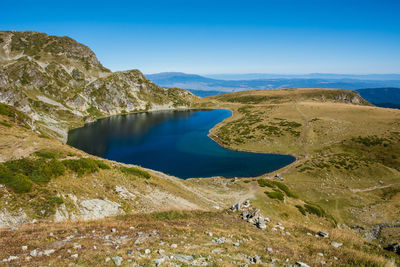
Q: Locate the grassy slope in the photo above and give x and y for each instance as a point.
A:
(345, 174)
(162, 192)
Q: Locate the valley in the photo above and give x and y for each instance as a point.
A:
(337, 204)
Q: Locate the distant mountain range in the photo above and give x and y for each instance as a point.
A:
(258, 76)
(379, 89)
(253, 81)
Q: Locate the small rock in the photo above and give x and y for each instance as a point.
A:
(270, 249)
(77, 246)
(336, 244)
(113, 230)
(174, 246)
(323, 234)
(24, 248)
(75, 256)
(159, 261)
(320, 254)
(302, 264)
(117, 260)
(236, 244)
(33, 253)
(147, 251)
(107, 259)
(129, 252)
(48, 252)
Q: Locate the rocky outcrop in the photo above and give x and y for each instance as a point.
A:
(60, 83)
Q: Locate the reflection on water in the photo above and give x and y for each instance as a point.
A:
(174, 142)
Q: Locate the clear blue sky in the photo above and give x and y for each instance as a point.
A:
(269, 36)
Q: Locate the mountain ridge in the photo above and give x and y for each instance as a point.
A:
(60, 83)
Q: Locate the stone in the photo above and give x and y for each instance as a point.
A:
(336, 244)
(159, 261)
(246, 204)
(147, 251)
(75, 256)
(48, 252)
(24, 248)
(323, 234)
(98, 208)
(236, 207)
(33, 253)
(270, 250)
(77, 246)
(395, 247)
(302, 264)
(174, 246)
(113, 230)
(320, 254)
(107, 259)
(117, 260)
(219, 240)
(183, 258)
(256, 259)
(236, 244)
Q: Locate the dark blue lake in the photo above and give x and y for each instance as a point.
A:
(174, 142)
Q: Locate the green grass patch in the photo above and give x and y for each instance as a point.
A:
(133, 171)
(265, 183)
(47, 154)
(285, 189)
(85, 165)
(301, 209)
(18, 182)
(316, 210)
(5, 123)
(276, 194)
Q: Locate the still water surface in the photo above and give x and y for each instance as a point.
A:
(174, 142)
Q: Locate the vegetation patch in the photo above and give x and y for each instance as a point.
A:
(47, 154)
(133, 171)
(85, 165)
(276, 194)
(301, 209)
(5, 123)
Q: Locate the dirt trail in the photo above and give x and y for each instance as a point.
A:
(305, 134)
(358, 190)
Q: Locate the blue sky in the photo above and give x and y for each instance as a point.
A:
(204, 37)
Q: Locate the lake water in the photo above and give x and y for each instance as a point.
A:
(174, 142)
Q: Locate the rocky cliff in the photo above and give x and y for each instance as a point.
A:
(60, 83)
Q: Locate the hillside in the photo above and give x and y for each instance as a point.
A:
(155, 218)
(347, 150)
(336, 205)
(59, 83)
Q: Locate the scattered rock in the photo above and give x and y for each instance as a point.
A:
(174, 246)
(323, 234)
(394, 248)
(48, 252)
(24, 248)
(117, 260)
(336, 244)
(183, 258)
(302, 264)
(147, 251)
(75, 256)
(33, 253)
